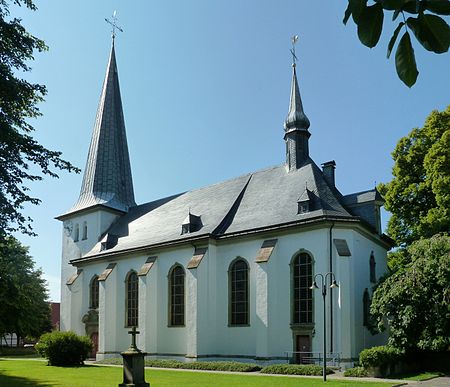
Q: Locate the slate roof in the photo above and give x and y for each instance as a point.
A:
(107, 177)
(362, 197)
(254, 201)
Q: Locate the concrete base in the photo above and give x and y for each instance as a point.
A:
(133, 369)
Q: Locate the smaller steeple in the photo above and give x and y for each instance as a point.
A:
(296, 124)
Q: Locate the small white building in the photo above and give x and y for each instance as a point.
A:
(223, 271)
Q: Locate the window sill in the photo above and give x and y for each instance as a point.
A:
(176, 326)
(238, 325)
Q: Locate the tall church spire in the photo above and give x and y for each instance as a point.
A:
(296, 125)
(107, 177)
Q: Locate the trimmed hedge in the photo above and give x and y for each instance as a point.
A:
(356, 372)
(295, 369)
(230, 366)
(380, 356)
(64, 348)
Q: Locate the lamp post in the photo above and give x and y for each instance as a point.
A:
(324, 294)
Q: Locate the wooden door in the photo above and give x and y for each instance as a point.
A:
(303, 345)
(94, 338)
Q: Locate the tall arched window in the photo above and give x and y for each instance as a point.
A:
(366, 308)
(93, 292)
(238, 297)
(302, 312)
(85, 231)
(372, 264)
(176, 296)
(132, 297)
(76, 237)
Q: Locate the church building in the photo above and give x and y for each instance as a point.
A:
(226, 271)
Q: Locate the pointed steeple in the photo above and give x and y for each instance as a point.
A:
(296, 119)
(107, 177)
(296, 128)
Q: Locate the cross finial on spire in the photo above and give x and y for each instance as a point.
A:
(294, 40)
(114, 25)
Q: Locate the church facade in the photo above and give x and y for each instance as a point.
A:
(225, 271)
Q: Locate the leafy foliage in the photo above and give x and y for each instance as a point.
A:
(431, 31)
(379, 356)
(64, 348)
(295, 369)
(23, 292)
(19, 101)
(415, 299)
(356, 372)
(230, 366)
(418, 196)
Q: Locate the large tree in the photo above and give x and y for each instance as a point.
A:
(418, 196)
(19, 99)
(415, 300)
(23, 292)
(416, 16)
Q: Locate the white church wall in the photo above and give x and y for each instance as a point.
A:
(361, 270)
(97, 223)
(171, 340)
(235, 340)
(315, 243)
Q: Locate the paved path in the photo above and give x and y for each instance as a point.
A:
(437, 382)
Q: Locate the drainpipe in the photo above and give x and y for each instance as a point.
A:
(331, 289)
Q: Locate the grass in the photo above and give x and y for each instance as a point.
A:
(28, 373)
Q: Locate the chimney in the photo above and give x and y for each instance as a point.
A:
(328, 172)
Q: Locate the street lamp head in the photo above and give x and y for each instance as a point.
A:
(334, 284)
(314, 286)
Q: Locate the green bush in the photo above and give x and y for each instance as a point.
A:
(357, 372)
(64, 348)
(379, 356)
(230, 366)
(295, 369)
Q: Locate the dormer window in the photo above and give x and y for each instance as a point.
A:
(304, 202)
(192, 223)
(108, 242)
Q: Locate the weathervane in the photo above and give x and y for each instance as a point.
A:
(294, 40)
(114, 25)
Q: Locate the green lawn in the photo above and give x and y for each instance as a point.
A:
(33, 373)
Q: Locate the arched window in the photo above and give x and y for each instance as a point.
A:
(132, 297)
(176, 296)
(366, 308)
(76, 237)
(372, 264)
(238, 297)
(302, 312)
(93, 292)
(85, 230)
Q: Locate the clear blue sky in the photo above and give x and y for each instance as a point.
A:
(205, 90)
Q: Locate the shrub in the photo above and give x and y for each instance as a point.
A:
(295, 369)
(230, 366)
(379, 356)
(357, 372)
(64, 348)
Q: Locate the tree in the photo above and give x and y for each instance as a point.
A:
(415, 300)
(431, 31)
(19, 101)
(418, 196)
(23, 292)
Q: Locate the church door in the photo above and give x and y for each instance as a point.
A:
(303, 349)
(94, 338)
